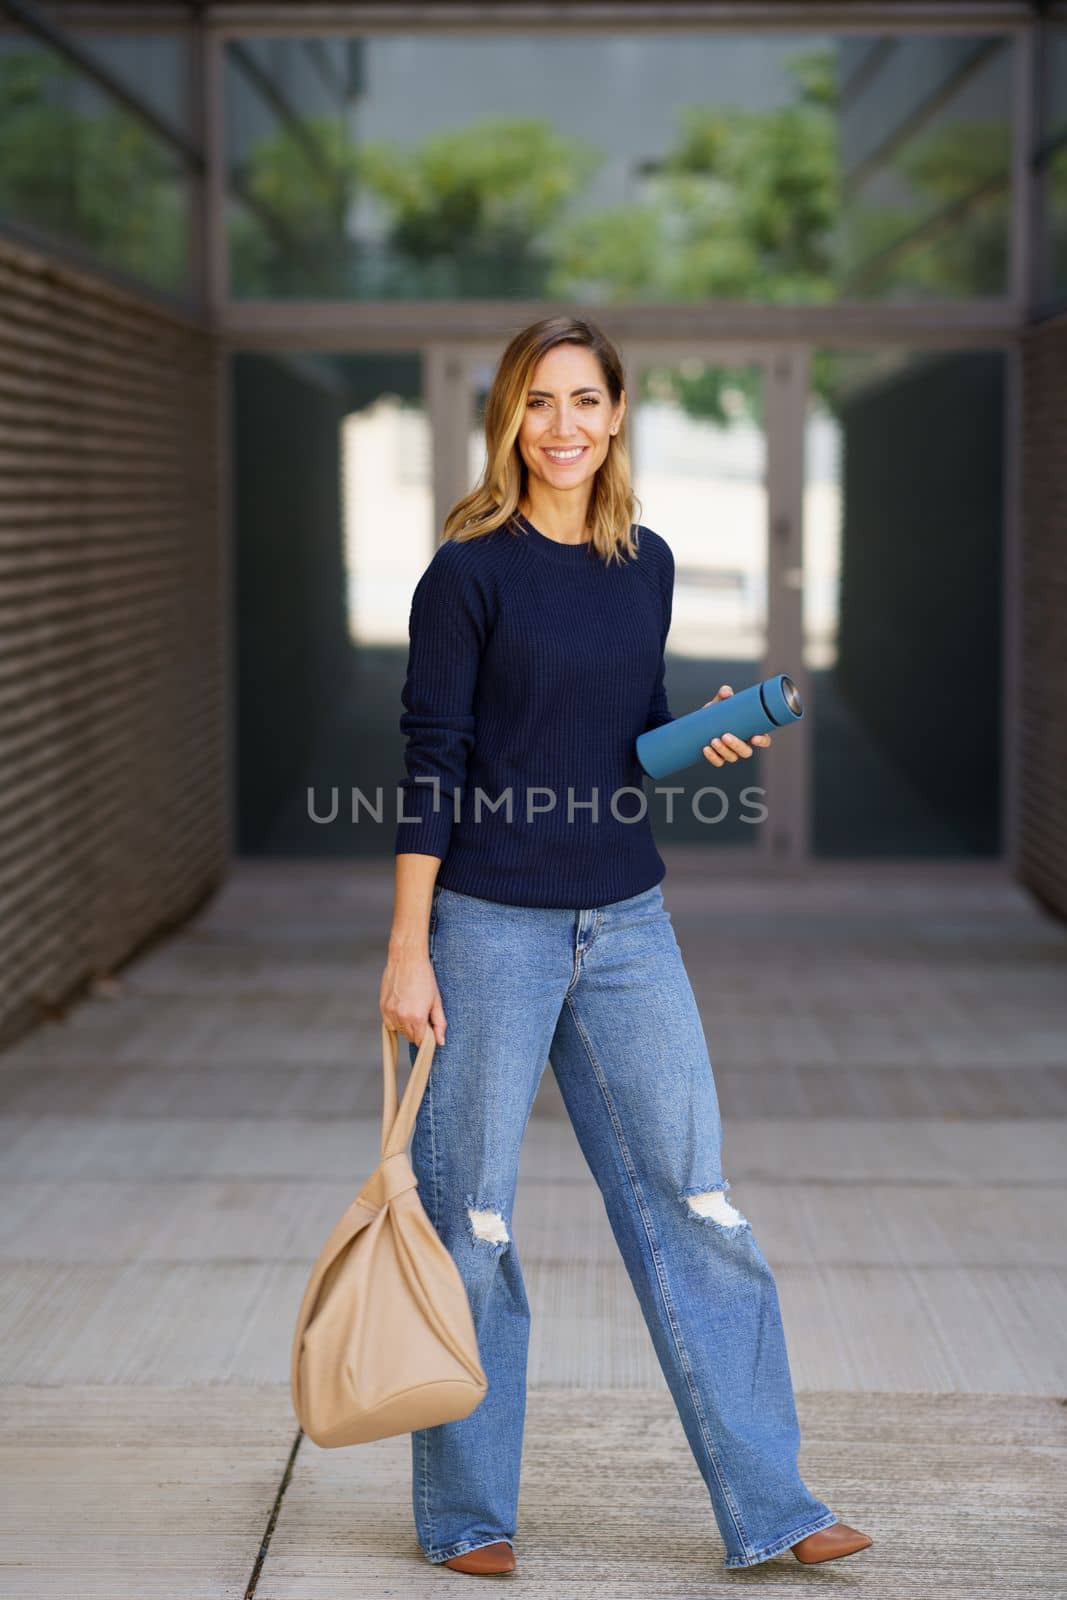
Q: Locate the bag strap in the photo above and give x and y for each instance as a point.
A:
(397, 1125)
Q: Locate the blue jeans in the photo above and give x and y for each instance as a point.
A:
(603, 993)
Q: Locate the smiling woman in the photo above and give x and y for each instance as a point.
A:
(537, 639)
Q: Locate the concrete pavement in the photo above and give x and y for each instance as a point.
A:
(174, 1156)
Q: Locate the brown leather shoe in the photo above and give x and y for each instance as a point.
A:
(829, 1543)
(488, 1559)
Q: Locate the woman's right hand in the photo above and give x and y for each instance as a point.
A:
(409, 996)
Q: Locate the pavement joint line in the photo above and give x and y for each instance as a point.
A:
(272, 1522)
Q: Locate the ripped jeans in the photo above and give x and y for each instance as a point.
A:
(602, 994)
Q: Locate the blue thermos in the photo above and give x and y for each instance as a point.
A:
(774, 703)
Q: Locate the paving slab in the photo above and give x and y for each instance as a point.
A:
(930, 1478)
(237, 1219)
(965, 1329)
(828, 1150)
(133, 1492)
(351, 1088)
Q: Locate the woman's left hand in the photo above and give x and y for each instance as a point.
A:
(728, 747)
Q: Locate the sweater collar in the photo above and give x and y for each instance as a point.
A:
(569, 553)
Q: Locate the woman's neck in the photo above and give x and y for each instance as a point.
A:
(567, 524)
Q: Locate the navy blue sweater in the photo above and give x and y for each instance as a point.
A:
(532, 668)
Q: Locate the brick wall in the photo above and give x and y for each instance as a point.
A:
(113, 793)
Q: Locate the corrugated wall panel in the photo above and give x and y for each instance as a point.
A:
(114, 810)
(1043, 642)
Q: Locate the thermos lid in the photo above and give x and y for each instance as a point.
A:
(781, 699)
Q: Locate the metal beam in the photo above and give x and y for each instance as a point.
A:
(274, 97)
(851, 89)
(1023, 224)
(837, 16)
(787, 836)
(200, 219)
(215, 285)
(404, 324)
(314, 17)
(143, 17)
(923, 114)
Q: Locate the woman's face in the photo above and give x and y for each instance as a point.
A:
(569, 418)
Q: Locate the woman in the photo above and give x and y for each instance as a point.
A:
(529, 924)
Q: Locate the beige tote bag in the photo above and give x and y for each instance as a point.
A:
(385, 1341)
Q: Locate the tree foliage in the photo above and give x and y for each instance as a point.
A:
(98, 176)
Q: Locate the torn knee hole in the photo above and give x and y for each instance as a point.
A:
(711, 1205)
(487, 1226)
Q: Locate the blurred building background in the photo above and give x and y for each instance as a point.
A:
(257, 262)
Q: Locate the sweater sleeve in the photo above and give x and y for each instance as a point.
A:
(659, 711)
(447, 627)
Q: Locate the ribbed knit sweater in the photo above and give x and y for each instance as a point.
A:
(532, 668)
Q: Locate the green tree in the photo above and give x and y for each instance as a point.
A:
(471, 208)
(289, 233)
(98, 176)
(463, 213)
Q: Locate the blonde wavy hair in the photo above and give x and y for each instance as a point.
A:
(495, 498)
